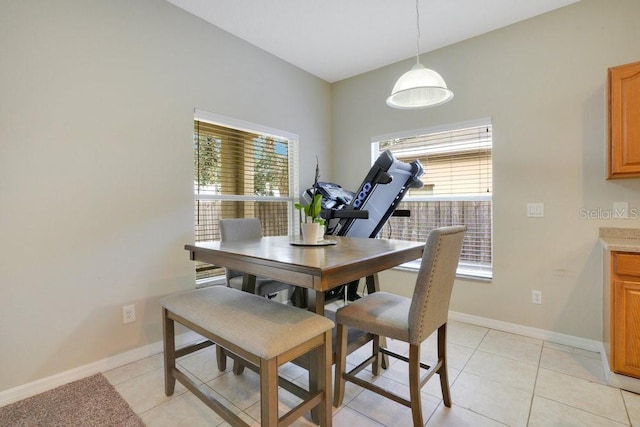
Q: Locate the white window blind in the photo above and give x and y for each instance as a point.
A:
(240, 173)
(458, 190)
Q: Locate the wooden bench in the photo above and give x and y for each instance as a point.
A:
(264, 333)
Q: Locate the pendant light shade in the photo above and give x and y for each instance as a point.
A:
(419, 87)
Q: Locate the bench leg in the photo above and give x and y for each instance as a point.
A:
(325, 356)
(168, 338)
(269, 392)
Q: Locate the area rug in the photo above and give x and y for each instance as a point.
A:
(87, 402)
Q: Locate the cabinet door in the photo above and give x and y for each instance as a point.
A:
(624, 121)
(626, 327)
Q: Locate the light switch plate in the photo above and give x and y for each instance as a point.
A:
(535, 210)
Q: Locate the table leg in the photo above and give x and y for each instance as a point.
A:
(249, 283)
(315, 301)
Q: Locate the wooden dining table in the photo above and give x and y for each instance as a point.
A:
(315, 268)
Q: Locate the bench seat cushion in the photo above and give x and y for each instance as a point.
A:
(260, 326)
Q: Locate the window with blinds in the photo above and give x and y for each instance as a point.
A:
(457, 190)
(240, 174)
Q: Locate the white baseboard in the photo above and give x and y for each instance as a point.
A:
(39, 386)
(542, 334)
(616, 380)
(42, 385)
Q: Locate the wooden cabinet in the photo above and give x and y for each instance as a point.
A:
(624, 355)
(623, 84)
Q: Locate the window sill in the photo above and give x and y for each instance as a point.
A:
(465, 271)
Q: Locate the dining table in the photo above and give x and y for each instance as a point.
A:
(317, 267)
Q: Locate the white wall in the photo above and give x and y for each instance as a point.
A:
(542, 82)
(96, 120)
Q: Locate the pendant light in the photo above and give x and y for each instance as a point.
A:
(419, 87)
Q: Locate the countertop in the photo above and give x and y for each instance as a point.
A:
(620, 239)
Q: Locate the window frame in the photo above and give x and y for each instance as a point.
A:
(465, 269)
(293, 170)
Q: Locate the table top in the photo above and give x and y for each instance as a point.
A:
(316, 267)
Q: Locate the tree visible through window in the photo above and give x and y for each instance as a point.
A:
(240, 174)
(458, 190)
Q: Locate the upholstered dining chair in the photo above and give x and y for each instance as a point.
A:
(235, 229)
(411, 320)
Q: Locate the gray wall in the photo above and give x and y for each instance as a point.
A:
(96, 109)
(96, 170)
(542, 81)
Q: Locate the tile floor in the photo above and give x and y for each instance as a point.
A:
(497, 379)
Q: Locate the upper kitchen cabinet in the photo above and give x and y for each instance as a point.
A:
(623, 83)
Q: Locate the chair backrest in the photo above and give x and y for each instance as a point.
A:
(430, 303)
(236, 229)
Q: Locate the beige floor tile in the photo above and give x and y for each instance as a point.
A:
(147, 391)
(632, 402)
(241, 390)
(514, 346)
(573, 364)
(503, 370)
(457, 355)
(185, 410)
(465, 334)
(457, 416)
(386, 411)
(573, 350)
(286, 402)
(546, 413)
(347, 417)
(500, 402)
(399, 372)
(579, 393)
(292, 371)
(491, 375)
(203, 364)
(135, 369)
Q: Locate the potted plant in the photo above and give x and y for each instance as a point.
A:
(310, 213)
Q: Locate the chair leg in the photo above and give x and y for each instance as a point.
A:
(442, 372)
(414, 384)
(377, 362)
(341, 360)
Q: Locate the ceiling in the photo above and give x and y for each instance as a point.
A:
(337, 39)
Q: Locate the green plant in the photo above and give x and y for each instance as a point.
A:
(314, 208)
(311, 210)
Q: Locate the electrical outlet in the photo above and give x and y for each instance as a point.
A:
(129, 313)
(535, 210)
(536, 297)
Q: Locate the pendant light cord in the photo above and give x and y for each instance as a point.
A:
(418, 37)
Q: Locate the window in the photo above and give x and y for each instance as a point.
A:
(457, 189)
(241, 170)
